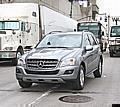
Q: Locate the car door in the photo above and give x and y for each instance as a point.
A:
(94, 52)
(88, 54)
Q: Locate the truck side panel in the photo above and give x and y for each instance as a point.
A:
(54, 21)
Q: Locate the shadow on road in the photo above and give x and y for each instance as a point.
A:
(6, 64)
(56, 88)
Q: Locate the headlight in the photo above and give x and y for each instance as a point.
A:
(68, 62)
(21, 62)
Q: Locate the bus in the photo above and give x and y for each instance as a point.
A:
(98, 30)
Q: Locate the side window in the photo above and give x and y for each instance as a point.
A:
(86, 40)
(92, 40)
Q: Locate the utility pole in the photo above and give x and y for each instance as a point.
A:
(0, 1)
(116, 21)
(108, 27)
(71, 1)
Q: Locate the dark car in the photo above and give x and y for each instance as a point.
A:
(61, 58)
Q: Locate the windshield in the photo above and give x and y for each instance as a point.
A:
(115, 31)
(92, 27)
(8, 25)
(61, 41)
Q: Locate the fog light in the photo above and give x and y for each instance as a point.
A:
(18, 71)
(69, 71)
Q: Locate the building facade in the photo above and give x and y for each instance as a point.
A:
(75, 10)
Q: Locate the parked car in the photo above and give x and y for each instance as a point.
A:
(61, 58)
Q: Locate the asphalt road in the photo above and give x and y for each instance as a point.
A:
(102, 92)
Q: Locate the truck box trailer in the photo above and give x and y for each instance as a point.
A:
(22, 25)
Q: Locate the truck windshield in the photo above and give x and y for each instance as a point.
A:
(92, 27)
(115, 31)
(61, 41)
(9, 25)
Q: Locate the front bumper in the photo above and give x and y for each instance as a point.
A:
(7, 54)
(114, 48)
(59, 77)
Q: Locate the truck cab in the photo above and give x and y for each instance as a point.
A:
(97, 29)
(114, 40)
(18, 25)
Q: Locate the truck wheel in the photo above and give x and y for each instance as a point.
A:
(111, 54)
(80, 81)
(19, 53)
(105, 47)
(25, 84)
(101, 47)
(98, 72)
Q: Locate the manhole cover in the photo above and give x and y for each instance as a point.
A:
(75, 99)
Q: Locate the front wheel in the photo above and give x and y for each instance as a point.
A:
(111, 54)
(24, 84)
(98, 72)
(80, 81)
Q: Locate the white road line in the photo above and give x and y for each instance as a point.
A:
(32, 104)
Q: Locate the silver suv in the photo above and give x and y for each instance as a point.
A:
(61, 58)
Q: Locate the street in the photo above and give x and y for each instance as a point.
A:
(98, 92)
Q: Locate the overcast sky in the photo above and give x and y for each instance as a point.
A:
(111, 7)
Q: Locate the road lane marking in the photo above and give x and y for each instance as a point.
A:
(39, 98)
(33, 103)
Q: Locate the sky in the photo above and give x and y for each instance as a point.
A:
(111, 7)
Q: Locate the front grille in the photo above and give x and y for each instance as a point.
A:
(41, 64)
(0, 44)
(42, 72)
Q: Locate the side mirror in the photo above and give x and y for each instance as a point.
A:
(89, 48)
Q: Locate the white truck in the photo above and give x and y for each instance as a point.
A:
(22, 25)
(114, 40)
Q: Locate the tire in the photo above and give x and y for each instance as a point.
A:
(105, 47)
(19, 53)
(80, 81)
(14, 62)
(111, 54)
(25, 84)
(98, 72)
(101, 47)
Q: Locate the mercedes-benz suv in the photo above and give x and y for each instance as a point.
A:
(61, 58)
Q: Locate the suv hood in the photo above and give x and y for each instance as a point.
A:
(52, 53)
